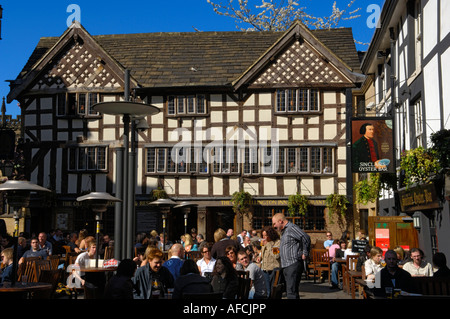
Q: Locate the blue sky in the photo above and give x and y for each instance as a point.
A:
(25, 22)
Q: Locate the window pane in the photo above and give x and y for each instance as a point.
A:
(151, 160)
(267, 160)
(72, 158)
(203, 159)
(303, 100)
(281, 101)
(171, 105)
(315, 160)
(180, 104)
(314, 100)
(91, 157)
(191, 103)
(303, 159)
(201, 104)
(170, 163)
(161, 160)
(291, 100)
(328, 160)
(72, 103)
(101, 158)
(82, 103)
(292, 160)
(93, 99)
(281, 160)
(81, 158)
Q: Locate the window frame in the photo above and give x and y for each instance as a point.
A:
(284, 99)
(80, 158)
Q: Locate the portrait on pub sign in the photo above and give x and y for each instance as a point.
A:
(372, 145)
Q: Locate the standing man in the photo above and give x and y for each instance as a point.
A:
(294, 249)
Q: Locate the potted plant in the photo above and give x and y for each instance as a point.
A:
(242, 202)
(297, 204)
(441, 145)
(420, 166)
(158, 193)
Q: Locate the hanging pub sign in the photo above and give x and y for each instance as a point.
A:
(422, 197)
(372, 145)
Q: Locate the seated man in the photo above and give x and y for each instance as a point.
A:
(34, 251)
(175, 261)
(392, 275)
(258, 288)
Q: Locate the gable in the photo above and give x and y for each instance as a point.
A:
(298, 57)
(80, 66)
(300, 64)
(75, 61)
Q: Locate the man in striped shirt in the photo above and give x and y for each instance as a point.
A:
(294, 249)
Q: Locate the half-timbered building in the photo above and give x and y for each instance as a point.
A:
(263, 112)
(407, 65)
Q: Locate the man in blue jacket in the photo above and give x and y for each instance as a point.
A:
(175, 261)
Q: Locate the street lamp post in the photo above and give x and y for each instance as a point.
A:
(18, 197)
(98, 201)
(126, 163)
(164, 204)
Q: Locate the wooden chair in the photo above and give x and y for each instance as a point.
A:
(52, 276)
(321, 262)
(350, 265)
(28, 269)
(244, 288)
(70, 258)
(43, 264)
(54, 261)
(276, 291)
(67, 248)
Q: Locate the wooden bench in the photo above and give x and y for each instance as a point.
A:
(431, 286)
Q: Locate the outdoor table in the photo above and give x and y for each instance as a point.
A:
(22, 289)
(97, 276)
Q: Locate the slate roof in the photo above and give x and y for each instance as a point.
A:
(168, 59)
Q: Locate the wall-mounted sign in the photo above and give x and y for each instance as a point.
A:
(372, 145)
(418, 198)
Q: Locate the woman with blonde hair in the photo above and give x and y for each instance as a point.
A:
(221, 243)
(189, 244)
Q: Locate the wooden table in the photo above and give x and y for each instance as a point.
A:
(98, 276)
(23, 289)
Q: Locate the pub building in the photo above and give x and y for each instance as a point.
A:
(263, 112)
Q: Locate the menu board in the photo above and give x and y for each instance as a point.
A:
(359, 245)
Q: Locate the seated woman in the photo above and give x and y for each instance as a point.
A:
(224, 278)
(152, 272)
(231, 253)
(373, 265)
(190, 281)
(417, 267)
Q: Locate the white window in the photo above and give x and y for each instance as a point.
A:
(89, 158)
(418, 123)
(297, 100)
(189, 104)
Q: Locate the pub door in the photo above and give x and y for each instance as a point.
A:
(388, 232)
